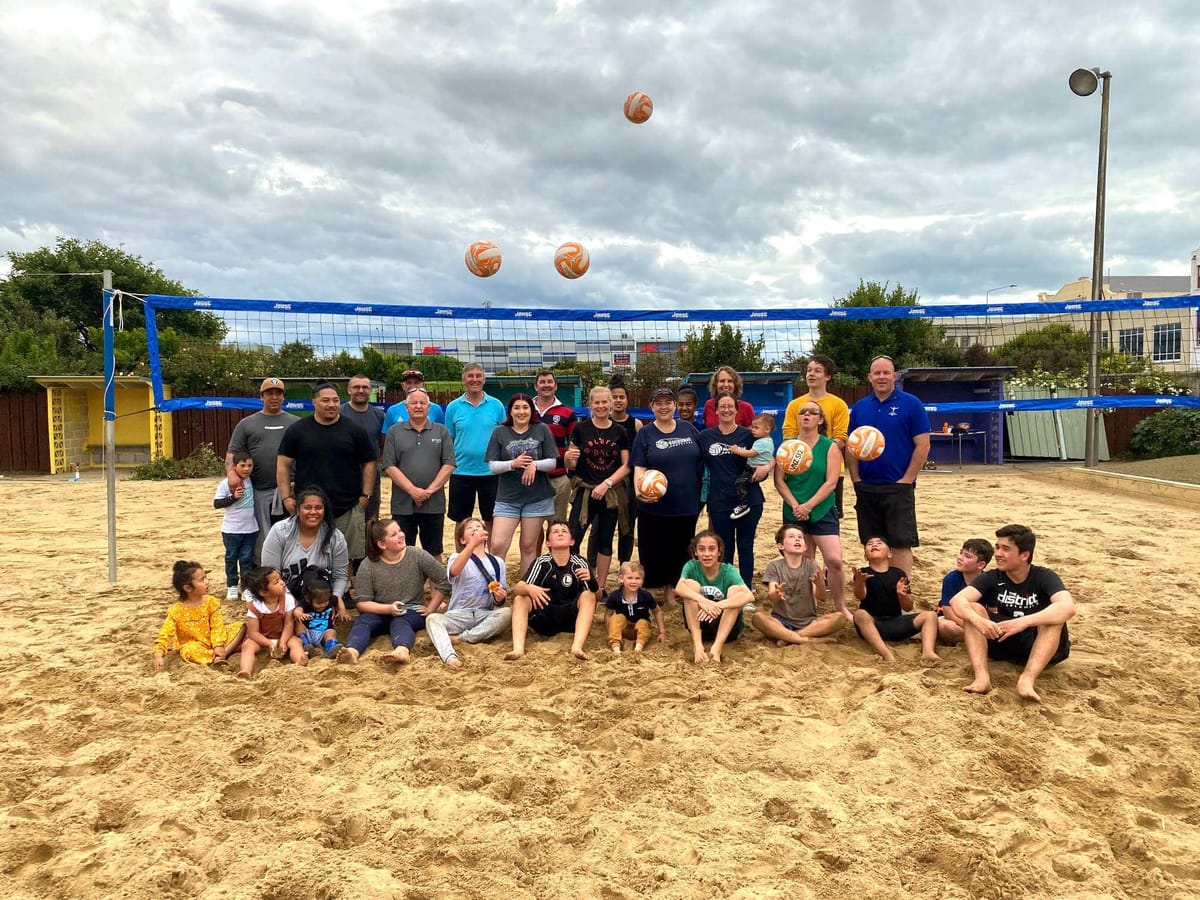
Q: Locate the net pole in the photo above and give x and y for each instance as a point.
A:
(110, 422)
(1091, 450)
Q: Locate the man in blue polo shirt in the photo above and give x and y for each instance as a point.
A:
(398, 412)
(471, 419)
(885, 488)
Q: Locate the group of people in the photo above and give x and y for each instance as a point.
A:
(302, 496)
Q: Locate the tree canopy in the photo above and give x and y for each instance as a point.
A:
(909, 341)
(724, 345)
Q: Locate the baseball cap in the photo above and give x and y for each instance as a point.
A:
(270, 384)
(412, 373)
(661, 392)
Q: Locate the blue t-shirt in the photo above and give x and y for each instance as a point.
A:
(951, 585)
(900, 417)
(724, 468)
(398, 412)
(676, 455)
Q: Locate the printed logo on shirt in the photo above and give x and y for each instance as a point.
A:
(668, 443)
(712, 592)
(719, 450)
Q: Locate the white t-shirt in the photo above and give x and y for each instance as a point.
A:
(239, 518)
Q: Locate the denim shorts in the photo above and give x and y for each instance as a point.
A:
(533, 509)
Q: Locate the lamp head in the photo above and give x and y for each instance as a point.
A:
(1083, 82)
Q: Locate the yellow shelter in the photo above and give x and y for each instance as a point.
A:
(75, 412)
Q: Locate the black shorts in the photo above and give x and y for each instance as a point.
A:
(708, 630)
(888, 511)
(556, 618)
(1016, 649)
(464, 489)
(894, 629)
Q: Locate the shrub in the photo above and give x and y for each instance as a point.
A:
(202, 463)
(1172, 432)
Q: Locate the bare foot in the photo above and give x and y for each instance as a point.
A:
(637, 648)
(782, 643)
(399, 655)
(1025, 690)
(347, 655)
(979, 686)
(616, 648)
(243, 674)
(715, 657)
(931, 657)
(454, 663)
(700, 657)
(513, 655)
(578, 653)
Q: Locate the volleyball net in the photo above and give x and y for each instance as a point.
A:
(1137, 338)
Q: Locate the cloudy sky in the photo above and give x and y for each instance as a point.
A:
(353, 150)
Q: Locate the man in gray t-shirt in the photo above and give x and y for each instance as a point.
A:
(418, 456)
(259, 435)
(358, 409)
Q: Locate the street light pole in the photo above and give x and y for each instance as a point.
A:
(1083, 83)
(987, 295)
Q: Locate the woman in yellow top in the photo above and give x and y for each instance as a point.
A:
(194, 625)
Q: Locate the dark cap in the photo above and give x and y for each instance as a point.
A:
(661, 392)
(270, 384)
(412, 373)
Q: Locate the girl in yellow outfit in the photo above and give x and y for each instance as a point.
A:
(194, 625)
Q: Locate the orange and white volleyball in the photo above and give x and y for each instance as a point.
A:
(571, 260)
(638, 107)
(865, 442)
(794, 456)
(483, 259)
(653, 483)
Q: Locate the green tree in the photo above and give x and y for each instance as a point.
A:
(725, 345)
(42, 284)
(1056, 348)
(909, 341)
(655, 369)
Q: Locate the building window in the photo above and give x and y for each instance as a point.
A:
(1129, 341)
(1104, 340)
(1167, 343)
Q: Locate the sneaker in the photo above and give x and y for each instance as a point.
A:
(331, 652)
(750, 608)
(739, 511)
(232, 594)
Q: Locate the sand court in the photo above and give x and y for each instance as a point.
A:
(814, 771)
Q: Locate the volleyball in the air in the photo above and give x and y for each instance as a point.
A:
(483, 258)
(653, 483)
(865, 442)
(638, 107)
(571, 260)
(794, 456)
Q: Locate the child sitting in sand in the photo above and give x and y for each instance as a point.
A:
(629, 608)
(713, 595)
(269, 623)
(972, 559)
(794, 585)
(314, 616)
(477, 593)
(194, 624)
(885, 606)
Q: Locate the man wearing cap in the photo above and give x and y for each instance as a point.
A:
(359, 410)
(329, 451)
(259, 435)
(418, 457)
(561, 420)
(398, 412)
(471, 419)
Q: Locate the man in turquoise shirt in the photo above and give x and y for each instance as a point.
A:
(470, 419)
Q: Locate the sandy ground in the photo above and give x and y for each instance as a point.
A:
(804, 772)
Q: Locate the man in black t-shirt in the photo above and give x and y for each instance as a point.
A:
(1016, 612)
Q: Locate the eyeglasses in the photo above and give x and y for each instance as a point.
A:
(810, 412)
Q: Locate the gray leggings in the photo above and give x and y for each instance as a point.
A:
(472, 625)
